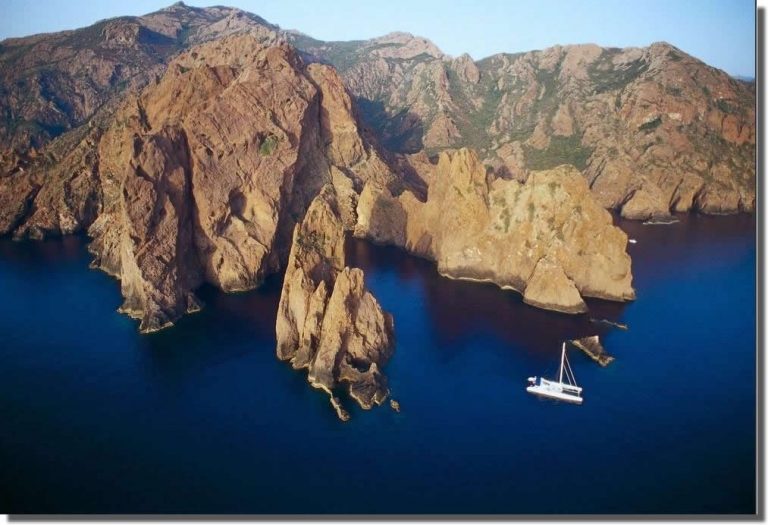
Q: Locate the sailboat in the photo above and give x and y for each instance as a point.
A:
(566, 390)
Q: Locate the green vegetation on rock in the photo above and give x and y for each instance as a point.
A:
(268, 145)
(561, 150)
(607, 77)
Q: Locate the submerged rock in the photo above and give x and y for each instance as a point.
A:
(592, 347)
(327, 321)
(661, 221)
(620, 326)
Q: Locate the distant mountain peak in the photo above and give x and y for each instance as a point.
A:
(176, 6)
(412, 44)
(744, 78)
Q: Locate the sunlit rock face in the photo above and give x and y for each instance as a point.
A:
(201, 176)
(547, 237)
(653, 129)
(327, 321)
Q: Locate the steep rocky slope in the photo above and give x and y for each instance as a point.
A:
(59, 92)
(327, 321)
(201, 176)
(653, 130)
(54, 82)
(189, 142)
(546, 238)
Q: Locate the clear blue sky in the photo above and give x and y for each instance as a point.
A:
(720, 32)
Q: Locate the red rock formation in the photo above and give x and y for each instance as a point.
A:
(653, 130)
(327, 321)
(546, 238)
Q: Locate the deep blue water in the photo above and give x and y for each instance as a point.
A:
(202, 418)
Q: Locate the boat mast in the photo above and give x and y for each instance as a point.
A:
(562, 362)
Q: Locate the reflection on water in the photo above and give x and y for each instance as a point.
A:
(458, 308)
(215, 334)
(203, 418)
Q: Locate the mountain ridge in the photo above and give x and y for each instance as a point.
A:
(648, 143)
(201, 171)
(581, 104)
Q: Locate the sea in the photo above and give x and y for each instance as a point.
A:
(203, 418)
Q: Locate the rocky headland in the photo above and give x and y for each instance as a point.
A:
(546, 237)
(201, 176)
(327, 321)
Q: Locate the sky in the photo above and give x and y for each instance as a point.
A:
(719, 32)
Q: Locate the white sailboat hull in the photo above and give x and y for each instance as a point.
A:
(560, 395)
(555, 390)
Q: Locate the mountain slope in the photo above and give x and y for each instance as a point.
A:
(653, 129)
(51, 83)
(200, 176)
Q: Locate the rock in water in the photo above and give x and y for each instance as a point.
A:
(327, 321)
(546, 237)
(316, 258)
(592, 347)
(620, 326)
(341, 412)
(394, 405)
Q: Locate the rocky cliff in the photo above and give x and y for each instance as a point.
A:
(652, 129)
(327, 321)
(59, 93)
(546, 237)
(201, 176)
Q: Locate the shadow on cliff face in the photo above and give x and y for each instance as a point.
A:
(458, 309)
(402, 132)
